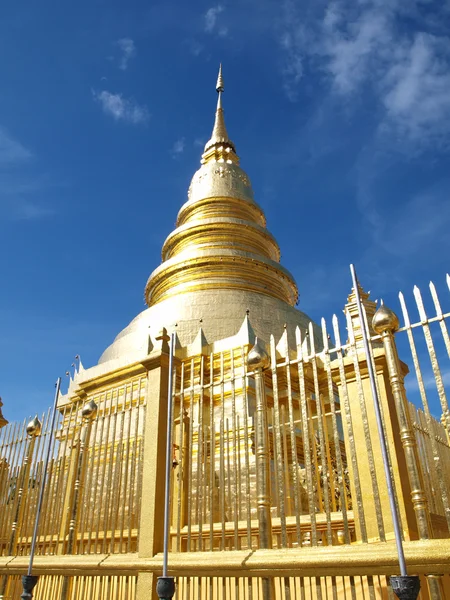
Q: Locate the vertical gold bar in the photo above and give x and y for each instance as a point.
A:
(434, 361)
(136, 487)
(235, 436)
(181, 467)
(191, 457)
(323, 454)
(51, 513)
(65, 470)
(259, 360)
(358, 501)
(86, 514)
(247, 441)
(239, 493)
(107, 416)
(88, 413)
(389, 324)
(222, 483)
(200, 476)
(212, 474)
(9, 434)
(298, 509)
(337, 445)
(101, 417)
(287, 477)
(362, 403)
(228, 483)
(306, 424)
(117, 485)
(127, 465)
(111, 464)
(23, 479)
(29, 501)
(278, 451)
(212, 453)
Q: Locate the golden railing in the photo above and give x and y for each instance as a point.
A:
(328, 531)
(107, 516)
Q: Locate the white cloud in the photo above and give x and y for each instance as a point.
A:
(128, 48)
(178, 147)
(120, 108)
(11, 150)
(211, 20)
(365, 47)
(417, 89)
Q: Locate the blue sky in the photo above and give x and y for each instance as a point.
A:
(340, 112)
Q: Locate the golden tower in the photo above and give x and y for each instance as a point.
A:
(219, 262)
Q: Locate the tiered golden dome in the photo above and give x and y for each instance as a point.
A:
(221, 241)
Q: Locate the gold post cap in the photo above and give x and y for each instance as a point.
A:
(89, 410)
(385, 319)
(257, 357)
(34, 427)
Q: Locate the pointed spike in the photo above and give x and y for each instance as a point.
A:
(273, 353)
(437, 304)
(351, 335)
(298, 339)
(324, 333)
(286, 341)
(177, 341)
(311, 338)
(337, 335)
(246, 333)
(283, 344)
(419, 302)
(404, 309)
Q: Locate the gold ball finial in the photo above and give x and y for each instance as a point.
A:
(385, 319)
(89, 410)
(34, 427)
(257, 357)
(219, 84)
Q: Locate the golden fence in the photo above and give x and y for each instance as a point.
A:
(107, 473)
(278, 488)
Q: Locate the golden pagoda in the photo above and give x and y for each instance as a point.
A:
(218, 264)
(277, 487)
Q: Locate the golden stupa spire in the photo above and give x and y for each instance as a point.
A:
(219, 146)
(220, 241)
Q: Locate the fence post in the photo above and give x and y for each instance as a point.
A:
(151, 530)
(33, 431)
(373, 522)
(258, 360)
(88, 413)
(385, 323)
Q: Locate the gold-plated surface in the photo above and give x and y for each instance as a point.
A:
(34, 427)
(385, 320)
(220, 242)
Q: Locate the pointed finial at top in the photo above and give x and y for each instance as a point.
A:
(219, 84)
(219, 146)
